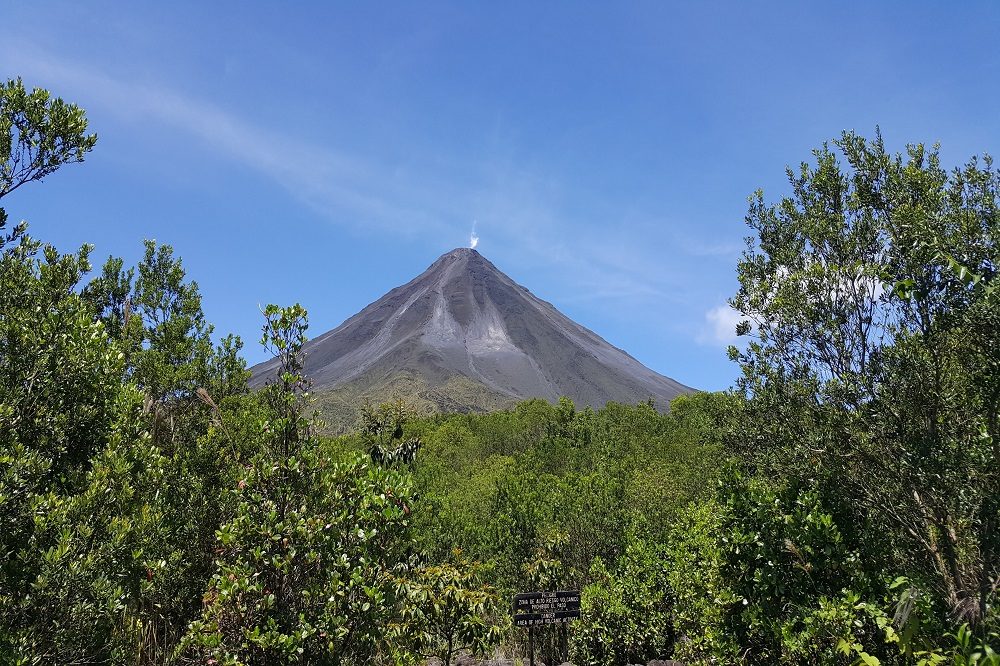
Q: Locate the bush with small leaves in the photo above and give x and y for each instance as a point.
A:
(306, 569)
(626, 614)
(450, 610)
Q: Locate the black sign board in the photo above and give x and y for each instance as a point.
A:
(535, 608)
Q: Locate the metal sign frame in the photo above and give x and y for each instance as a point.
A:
(531, 609)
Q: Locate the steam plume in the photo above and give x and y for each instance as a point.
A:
(474, 238)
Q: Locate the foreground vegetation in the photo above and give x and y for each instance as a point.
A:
(840, 505)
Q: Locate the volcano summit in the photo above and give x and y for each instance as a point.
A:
(462, 336)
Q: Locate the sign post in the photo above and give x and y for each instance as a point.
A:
(539, 608)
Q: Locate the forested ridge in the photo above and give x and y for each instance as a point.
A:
(839, 505)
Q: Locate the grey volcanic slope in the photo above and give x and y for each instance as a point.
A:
(463, 322)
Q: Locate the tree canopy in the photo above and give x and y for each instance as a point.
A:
(38, 134)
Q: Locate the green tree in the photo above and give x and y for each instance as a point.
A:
(874, 359)
(103, 539)
(155, 315)
(99, 557)
(450, 610)
(626, 614)
(38, 134)
(381, 430)
(60, 380)
(94, 534)
(767, 573)
(307, 566)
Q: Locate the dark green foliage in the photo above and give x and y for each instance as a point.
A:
(38, 134)
(54, 356)
(500, 485)
(874, 364)
(381, 428)
(783, 552)
(627, 615)
(59, 385)
(306, 568)
(155, 316)
(99, 557)
(450, 610)
(758, 573)
(102, 527)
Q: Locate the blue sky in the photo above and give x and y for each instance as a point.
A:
(327, 152)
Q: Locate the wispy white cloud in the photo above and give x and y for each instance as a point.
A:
(520, 208)
(331, 182)
(699, 247)
(720, 326)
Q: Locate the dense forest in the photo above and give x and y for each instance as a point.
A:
(839, 505)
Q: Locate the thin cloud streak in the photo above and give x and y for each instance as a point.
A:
(339, 186)
(514, 204)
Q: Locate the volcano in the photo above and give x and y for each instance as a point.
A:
(462, 336)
